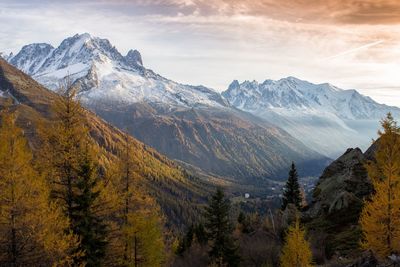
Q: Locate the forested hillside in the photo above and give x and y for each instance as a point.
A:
(34, 107)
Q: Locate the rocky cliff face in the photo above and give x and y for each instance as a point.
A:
(337, 202)
(343, 184)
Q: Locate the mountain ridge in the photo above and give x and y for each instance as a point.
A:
(305, 95)
(340, 117)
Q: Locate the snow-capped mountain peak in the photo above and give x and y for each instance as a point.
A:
(105, 75)
(293, 94)
(31, 57)
(340, 118)
(80, 49)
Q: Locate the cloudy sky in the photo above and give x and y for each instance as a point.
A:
(349, 43)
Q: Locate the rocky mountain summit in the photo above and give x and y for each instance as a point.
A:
(104, 74)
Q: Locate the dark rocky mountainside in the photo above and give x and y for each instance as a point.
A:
(219, 141)
(343, 184)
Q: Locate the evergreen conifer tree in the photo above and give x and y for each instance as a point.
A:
(186, 241)
(292, 194)
(219, 230)
(200, 233)
(85, 222)
(244, 223)
(73, 177)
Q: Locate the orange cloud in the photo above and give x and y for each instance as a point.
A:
(314, 11)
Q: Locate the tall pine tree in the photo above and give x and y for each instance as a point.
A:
(73, 177)
(292, 194)
(18, 187)
(219, 230)
(146, 243)
(127, 189)
(86, 224)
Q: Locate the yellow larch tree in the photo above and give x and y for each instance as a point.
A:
(31, 228)
(296, 251)
(380, 217)
(137, 238)
(144, 233)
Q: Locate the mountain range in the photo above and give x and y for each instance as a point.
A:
(324, 117)
(193, 125)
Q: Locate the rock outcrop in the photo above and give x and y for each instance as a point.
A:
(343, 184)
(337, 202)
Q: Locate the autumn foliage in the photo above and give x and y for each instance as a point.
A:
(296, 251)
(380, 218)
(32, 229)
(67, 206)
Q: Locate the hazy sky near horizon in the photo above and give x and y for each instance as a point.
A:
(349, 43)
